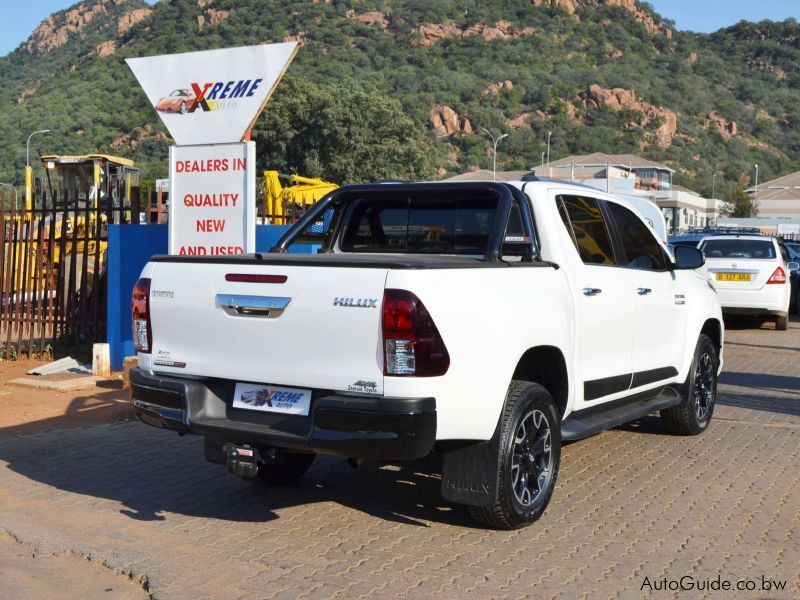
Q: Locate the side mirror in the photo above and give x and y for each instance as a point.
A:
(793, 266)
(687, 257)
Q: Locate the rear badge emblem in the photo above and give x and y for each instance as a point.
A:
(356, 302)
(364, 387)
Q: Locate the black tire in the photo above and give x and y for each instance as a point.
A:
(183, 107)
(529, 415)
(782, 323)
(284, 473)
(694, 413)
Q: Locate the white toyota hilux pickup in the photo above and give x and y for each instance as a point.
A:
(488, 322)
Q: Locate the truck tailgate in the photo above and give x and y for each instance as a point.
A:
(204, 324)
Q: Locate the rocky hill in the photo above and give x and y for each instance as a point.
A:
(602, 75)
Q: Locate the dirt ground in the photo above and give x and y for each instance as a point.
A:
(27, 573)
(27, 410)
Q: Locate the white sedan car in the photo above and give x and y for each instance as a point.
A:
(750, 274)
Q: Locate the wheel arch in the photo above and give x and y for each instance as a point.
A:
(713, 329)
(546, 366)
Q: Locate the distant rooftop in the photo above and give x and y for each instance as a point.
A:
(601, 159)
(486, 175)
(680, 188)
(782, 188)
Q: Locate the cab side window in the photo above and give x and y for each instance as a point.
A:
(641, 248)
(584, 221)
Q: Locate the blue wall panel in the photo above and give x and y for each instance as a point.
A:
(129, 249)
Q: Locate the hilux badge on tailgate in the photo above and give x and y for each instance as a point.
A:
(356, 302)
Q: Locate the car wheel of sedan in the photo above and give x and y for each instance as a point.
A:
(693, 414)
(183, 107)
(782, 323)
(286, 472)
(530, 453)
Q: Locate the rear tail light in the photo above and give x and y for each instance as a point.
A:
(140, 317)
(779, 276)
(411, 343)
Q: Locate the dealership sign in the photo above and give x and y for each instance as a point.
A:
(213, 96)
(211, 192)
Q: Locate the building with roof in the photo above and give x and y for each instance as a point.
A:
(779, 198)
(624, 175)
(629, 174)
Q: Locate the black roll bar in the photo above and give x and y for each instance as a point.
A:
(503, 192)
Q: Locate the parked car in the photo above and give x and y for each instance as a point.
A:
(485, 321)
(179, 101)
(751, 274)
(693, 237)
(793, 248)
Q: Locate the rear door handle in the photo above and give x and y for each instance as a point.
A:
(643, 291)
(252, 306)
(591, 291)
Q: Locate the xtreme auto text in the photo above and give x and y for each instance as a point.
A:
(688, 583)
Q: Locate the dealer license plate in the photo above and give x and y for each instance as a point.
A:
(734, 277)
(271, 398)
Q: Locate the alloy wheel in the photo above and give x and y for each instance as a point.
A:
(532, 458)
(704, 387)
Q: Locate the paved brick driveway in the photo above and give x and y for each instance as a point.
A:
(630, 503)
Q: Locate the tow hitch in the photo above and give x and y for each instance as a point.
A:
(242, 460)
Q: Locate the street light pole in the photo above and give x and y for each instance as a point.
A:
(755, 195)
(494, 142)
(549, 170)
(714, 186)
(542, 161)
(28, 170)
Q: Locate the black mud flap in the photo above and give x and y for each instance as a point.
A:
(470, 472)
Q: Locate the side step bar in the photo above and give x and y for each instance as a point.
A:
(590, 421)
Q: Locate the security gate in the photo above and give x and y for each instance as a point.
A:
(53, 267)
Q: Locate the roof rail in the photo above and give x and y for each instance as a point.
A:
(527, 178)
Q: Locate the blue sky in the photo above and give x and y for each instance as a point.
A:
(18, 18)
(710, 15)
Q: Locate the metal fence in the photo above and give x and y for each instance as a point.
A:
(53, 274)
(53, 267)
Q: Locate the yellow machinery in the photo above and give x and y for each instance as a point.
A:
(286, 204)
(103, 181)
(83, 194)
(100, 185)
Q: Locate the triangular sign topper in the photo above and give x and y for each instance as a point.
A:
(213, 96)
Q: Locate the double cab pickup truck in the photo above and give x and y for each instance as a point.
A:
(487, 322)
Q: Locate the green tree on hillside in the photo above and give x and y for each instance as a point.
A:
(341, 133)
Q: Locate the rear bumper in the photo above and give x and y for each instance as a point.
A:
(770, 299)
(353, 426)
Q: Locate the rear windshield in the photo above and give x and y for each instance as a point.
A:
(456, 224)
(739, 249)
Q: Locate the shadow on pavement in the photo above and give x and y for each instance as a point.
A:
(154, 472)
(102, 406)
(776, 404)
(773, 393)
